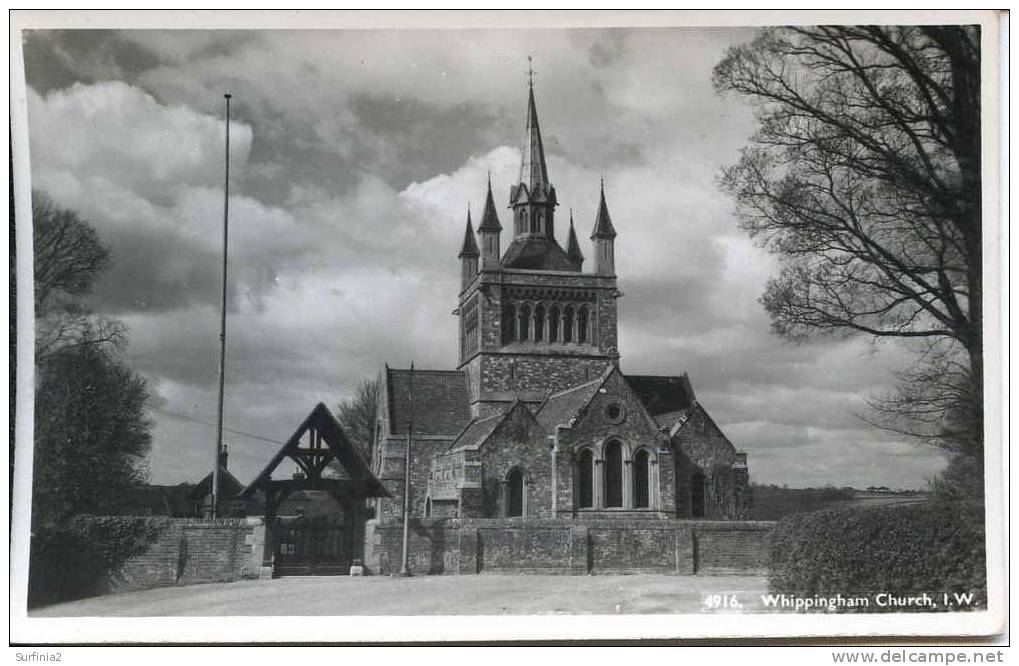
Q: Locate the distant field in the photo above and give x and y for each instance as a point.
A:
(773, 502)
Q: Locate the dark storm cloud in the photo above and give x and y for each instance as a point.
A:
(56, 59)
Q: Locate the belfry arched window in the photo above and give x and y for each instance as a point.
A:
(697, 487)
(585, 479)
(553, 324)
(613, 474)
(516, 493)
(509, 323)
(523, 322)
(539, 323)
(568, 324)
(642, 480)
(582, 324)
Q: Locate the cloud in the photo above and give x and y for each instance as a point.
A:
(354, 157)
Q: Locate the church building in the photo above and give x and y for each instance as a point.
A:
(538, 420)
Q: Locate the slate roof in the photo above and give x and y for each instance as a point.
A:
(662, 394)
(561, 407)
(537, 254)
(477, 431)
(441, 404)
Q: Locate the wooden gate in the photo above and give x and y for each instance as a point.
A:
(317, 546)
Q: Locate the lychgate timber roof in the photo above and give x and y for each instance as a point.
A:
(316, 459)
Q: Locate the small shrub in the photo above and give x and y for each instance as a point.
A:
(904, 550)
(74, 559)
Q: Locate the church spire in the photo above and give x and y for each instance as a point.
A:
(489, 218)
(573, 247)
(468, 254)
(470, 246)
(603, 223)
(533, 172)
(604, 239)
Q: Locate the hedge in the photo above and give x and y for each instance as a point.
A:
(904, 550)
(73, 560)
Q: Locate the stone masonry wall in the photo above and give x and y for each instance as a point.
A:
(568, 547)
(195, 551)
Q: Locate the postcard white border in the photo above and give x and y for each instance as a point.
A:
(514, 628)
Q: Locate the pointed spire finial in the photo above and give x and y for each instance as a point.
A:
(530, 71)
(603, 222)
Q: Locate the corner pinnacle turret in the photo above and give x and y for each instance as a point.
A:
(470, 246)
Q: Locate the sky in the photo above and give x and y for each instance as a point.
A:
(354, 157)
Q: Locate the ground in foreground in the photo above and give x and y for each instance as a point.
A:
(430, 595)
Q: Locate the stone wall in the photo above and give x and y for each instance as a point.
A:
(558, 546)
(195, 551)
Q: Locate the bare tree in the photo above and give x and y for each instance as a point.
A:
(68, 257)
(864, 178)
(357, 415)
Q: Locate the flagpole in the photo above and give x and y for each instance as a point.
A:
(222, 317)
(404, 564)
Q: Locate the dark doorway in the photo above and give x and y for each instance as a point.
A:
(317, 546)
(641, 474)
(697, 483)
(614, 474)
(586, 473)
(515, 490)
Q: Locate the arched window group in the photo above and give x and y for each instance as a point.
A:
(616, 480)
(552, 322)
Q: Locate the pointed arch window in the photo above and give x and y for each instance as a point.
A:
(697, 486)
(582, 325)
(553, 324)
(523, 323)
(509, 323)
(585, 479)
(539, 323)
(614, 474)
(568, 324)
(641, 480)
(516, 486)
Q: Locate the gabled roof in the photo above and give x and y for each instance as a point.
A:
(470, 246)
(573, 246)
(441, 405)
(489, 217)
(478, 430)
(537, 253)
(662, 394)
(603, 223)
(338, 448)
(229, 486)
(561, 408)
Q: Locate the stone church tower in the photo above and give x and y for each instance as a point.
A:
(532, 322)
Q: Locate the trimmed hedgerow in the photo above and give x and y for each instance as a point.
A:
(903, 550)
(72, 560)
